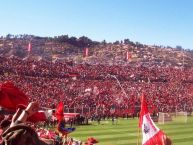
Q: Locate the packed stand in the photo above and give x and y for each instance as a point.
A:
(100, 88)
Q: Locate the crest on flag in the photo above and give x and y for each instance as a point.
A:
(146, 128)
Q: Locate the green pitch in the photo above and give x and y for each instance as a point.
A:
(125, 132)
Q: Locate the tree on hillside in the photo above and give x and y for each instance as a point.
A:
(126, 41)
(116, 42)
(179, 47)
(84, 41)
(104, 42)
(63, 38)
(73, 40)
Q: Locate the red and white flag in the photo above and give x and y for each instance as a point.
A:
(29, 47)
(152, 135)
(85, 52)
(128, 55)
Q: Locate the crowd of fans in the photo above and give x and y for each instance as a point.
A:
(91, 89)
(106, 83)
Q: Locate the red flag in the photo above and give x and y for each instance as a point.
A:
(11, 96)
(85, 52)
(152, 135)
(40, 116)
(29, 47)
(128, 55)
(60, 111)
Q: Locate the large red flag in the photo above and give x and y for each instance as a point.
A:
(60, 111)
(40, 116)
(152, 135)
(11, 96)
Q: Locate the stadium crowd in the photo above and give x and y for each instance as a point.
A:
(92, 89)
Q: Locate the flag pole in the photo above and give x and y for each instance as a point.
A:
(138, 130)
(138, 135)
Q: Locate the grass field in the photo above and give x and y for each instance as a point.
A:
(125, 132)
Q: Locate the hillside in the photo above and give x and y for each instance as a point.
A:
(64, 48)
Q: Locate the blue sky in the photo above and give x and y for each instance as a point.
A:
(160, 22)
